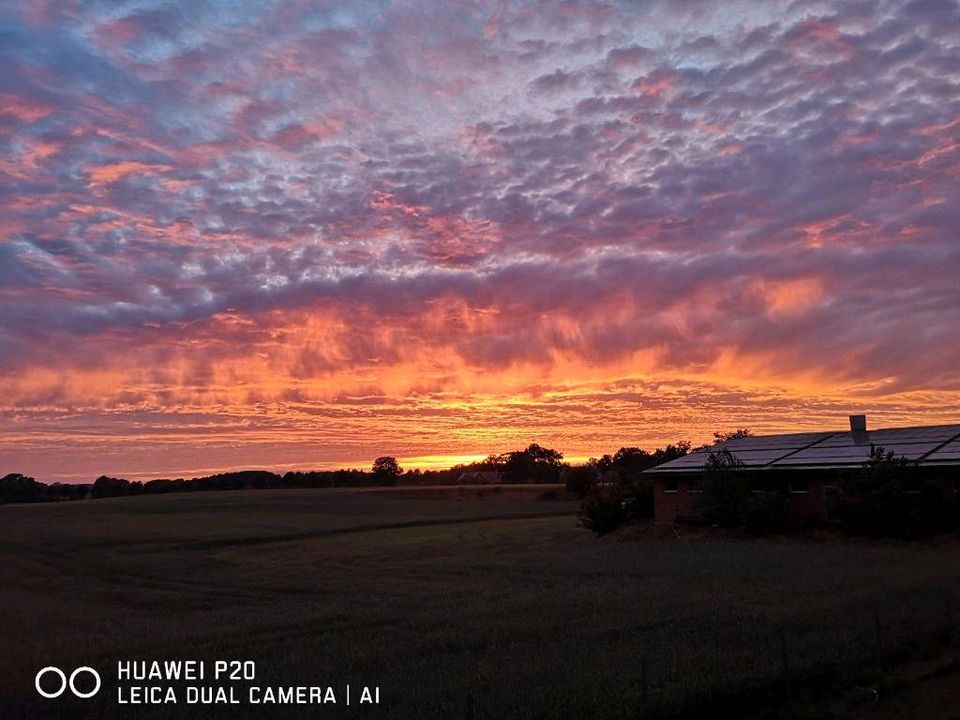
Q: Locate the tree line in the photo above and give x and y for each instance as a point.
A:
(533, 464)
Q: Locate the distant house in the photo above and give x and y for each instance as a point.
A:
(806, 465)
(480, 477)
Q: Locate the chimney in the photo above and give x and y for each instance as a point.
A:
(858, 423)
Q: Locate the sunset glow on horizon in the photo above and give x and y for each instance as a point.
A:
(300, 235)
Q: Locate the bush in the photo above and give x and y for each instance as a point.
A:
(725, 490)
(579, 480)
(621, 498)
(724, 497)
(880, 515)
(624, 492)
(637, 492)
(603, 509)
(767, 513)
(936, 511)
(877, 501)
(728, 502)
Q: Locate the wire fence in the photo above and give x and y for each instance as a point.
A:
(689, 668)
(776, 657)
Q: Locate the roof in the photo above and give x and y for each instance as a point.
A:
(930, 445)
(481, 475)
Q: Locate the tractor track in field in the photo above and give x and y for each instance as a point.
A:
(213, 543)
(268, 539)
(106, 571)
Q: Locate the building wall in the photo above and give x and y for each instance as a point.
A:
(667, 506)
(810, 505)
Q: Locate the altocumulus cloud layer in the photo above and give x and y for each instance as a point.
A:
(303, 233)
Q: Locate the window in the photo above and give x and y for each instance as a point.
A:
(798, 485)
(912, 484)
(956, 484)
(670, 485)
(762, 483)
(694, 485)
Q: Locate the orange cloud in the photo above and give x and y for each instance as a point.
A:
(656, 84)
(100, 175)
(23, 109)
(791, 297)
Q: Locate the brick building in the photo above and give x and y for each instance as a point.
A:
(808, 465)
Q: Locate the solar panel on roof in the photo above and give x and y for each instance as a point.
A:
(773, 442)
(950, 451)
(692, 461)
(895, 435)
(840, 449)
(752, 457)
(879, 438)
(953, 456)
(851, 454)
(749, 458)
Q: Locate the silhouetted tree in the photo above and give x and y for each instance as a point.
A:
(720, 437)
(66, 491)
(386, 470)
(105, 486)
(602, 464)
(534, 464)
(670, 452)
(20, 488)
(631, 459)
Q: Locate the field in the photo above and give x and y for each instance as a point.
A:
(474, 604)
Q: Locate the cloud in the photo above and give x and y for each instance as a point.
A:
(449, 198)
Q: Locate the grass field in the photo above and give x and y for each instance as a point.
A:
(455, 604)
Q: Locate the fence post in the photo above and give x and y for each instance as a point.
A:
(643, 685)
(878, 638)
(785, 660)
(948, 617)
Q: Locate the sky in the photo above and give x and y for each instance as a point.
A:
(294, 235)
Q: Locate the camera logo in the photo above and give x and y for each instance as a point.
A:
(64, 682)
